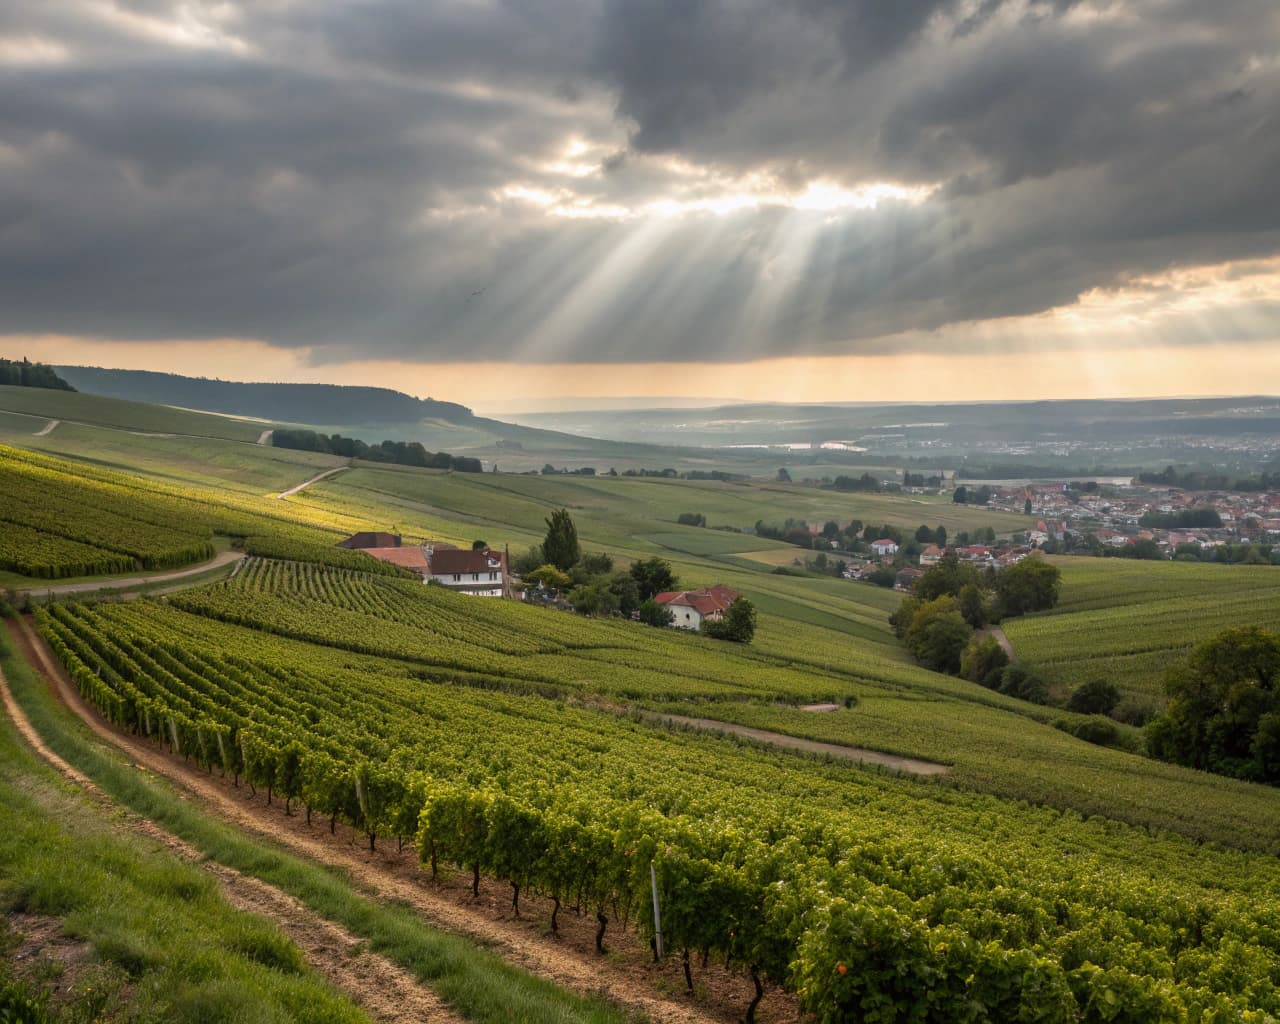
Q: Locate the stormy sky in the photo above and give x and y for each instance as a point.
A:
(564, 182)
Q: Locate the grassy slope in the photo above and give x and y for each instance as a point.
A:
(164, 939)
(1128, 621)
(209, 462)
(111, 412)
(474, 981)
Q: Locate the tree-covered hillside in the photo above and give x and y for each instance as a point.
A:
(26, 374)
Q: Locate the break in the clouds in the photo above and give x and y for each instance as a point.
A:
(599, 180)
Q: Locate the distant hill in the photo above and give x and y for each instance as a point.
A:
(291, 403)
(26, 374)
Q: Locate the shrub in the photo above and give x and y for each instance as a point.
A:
(1023, 683)
(983, 662)
(1096, 697)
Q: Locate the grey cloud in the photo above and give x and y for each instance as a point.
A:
(334, 182)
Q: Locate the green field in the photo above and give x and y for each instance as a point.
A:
(1129, 621)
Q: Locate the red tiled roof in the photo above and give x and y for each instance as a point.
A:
(708, 601)
(408, 558)
(460, 561)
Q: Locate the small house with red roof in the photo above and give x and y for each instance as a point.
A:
(931, 555)
(884, 547)
(691, 608)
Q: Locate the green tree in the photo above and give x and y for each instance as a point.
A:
(526, 562)
(1026, 507)
(1023, 683)
(479, 545)
(924, 535)
(738, 623)
(625, 589)
(560, 547)
(940, 536)
(1096, 697)
(1030, 585)
(938, 635)
(550, 577)
(983, 661)
(655, 614)
(595, 598)
(653, 576)
(961, 495)
(972, 605)
(1224, 707)
(948, 575)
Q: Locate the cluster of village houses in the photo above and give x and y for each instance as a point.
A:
(482, 572)
(1114, 514)
(885, 551)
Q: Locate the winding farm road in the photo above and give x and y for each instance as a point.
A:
(315, 479)
(265, 437)
(48, 428)
(124, 582)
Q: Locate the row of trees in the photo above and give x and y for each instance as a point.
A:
(1212, 480)
(26, 374)
(979, 496)
(400, 453)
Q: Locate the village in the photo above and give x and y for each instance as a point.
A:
(1073, 517)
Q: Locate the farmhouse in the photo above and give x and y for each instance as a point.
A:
(480, 573)
(692, 607)
(931, 555)
(884, 548)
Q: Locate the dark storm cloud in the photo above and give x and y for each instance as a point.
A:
(384, 179)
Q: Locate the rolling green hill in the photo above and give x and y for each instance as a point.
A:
(1128, 622)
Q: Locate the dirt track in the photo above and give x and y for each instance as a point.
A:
(386, 992)
(781, 739)
(567, 959)
(315, 479)
(124, 582)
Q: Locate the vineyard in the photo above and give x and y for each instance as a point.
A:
(490, 735)
(60, 520)
(1140, 618)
